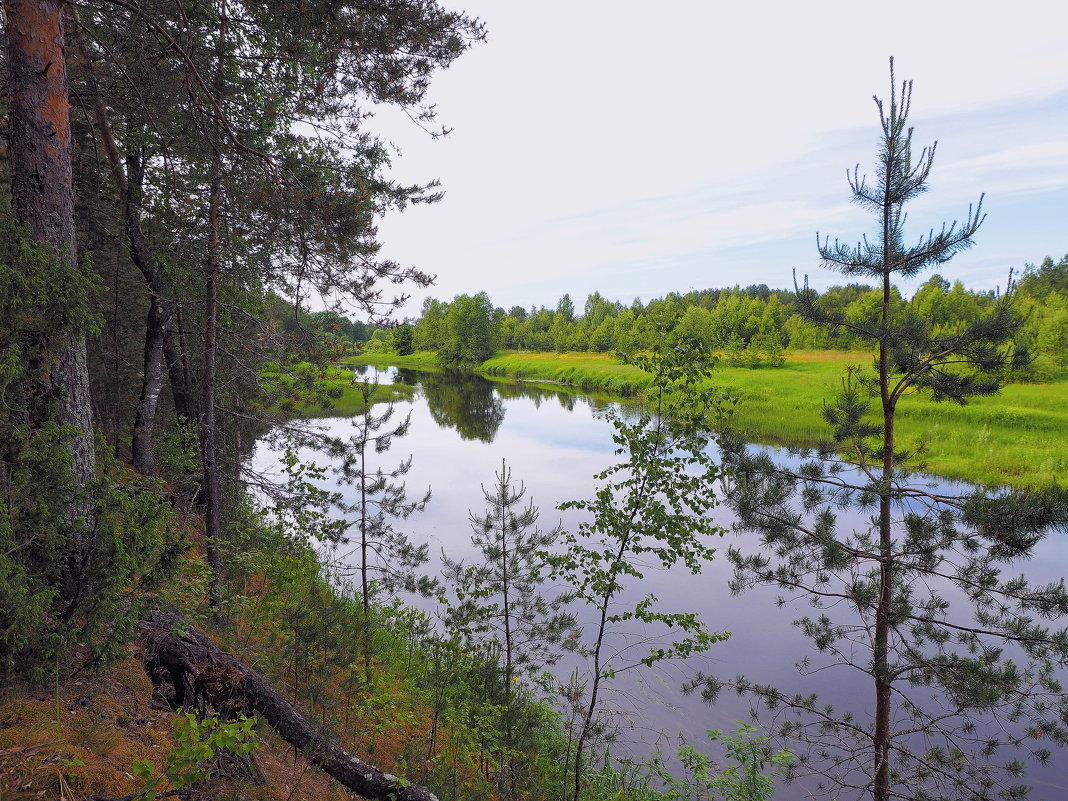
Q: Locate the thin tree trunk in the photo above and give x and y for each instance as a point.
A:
(603, 611)
(160, 309)
(116, 384)
(176, 352)
(42, 197)
(509, 664)
(881, 650)
(208, 433)
(580, 745)
(365, 587)
(130, 184)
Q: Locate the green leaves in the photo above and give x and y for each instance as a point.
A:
(305, 506)
(197, 740)
(747, 774)
(468, 331)
(653, 504)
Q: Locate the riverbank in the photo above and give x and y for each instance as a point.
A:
(1015, 438)
(336, 391)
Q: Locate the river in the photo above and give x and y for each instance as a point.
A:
(554, 442)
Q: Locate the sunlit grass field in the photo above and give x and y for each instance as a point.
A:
(1019, 437)
(423, 360)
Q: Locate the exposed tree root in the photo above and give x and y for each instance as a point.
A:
(203, 674)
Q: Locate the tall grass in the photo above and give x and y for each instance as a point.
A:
(421, 360)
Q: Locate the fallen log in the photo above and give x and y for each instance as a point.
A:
(202, 673)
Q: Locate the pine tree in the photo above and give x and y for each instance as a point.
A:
(42, 198)
(388, 560)
(961, 657)
(500, 606)
(499, 596)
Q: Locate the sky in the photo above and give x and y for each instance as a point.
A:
(641, 148)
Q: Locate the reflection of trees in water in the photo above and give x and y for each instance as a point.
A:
(536, 394)
(359, 370)
(539, 393)
(467, 403)
(475, 407)
(409, 378)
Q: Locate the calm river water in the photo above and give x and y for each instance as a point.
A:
(554, 443)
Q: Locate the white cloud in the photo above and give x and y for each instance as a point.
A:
(595, 136)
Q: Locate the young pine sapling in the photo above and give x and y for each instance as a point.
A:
(499, 600)
(910, 596)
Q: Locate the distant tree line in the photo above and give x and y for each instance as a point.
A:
(751, 326)
(329, 325)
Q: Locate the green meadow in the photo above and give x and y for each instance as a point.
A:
(1017, 437)
(339, 392)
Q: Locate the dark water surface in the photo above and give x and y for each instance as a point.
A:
(554, 442)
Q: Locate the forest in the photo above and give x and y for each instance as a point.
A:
(189, 205)
(750, 326)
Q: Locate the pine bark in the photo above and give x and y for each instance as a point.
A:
(39, 137)
(208, 431)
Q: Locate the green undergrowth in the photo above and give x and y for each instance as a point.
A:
(426, 709)
(1014, 438)
(430, 707)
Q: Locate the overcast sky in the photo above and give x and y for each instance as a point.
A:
(640, 148)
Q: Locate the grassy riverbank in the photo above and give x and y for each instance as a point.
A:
(337, 394)
(1016, 437)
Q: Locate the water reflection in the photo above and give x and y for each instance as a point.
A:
(466, 403)
(475, 406)
(538, 395)
(554, 442)
(365, 372)
(410, 378)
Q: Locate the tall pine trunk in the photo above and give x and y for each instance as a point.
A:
(365, 585)
(209, 435)
(42, 198)
(208, 432)
(881, 650)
